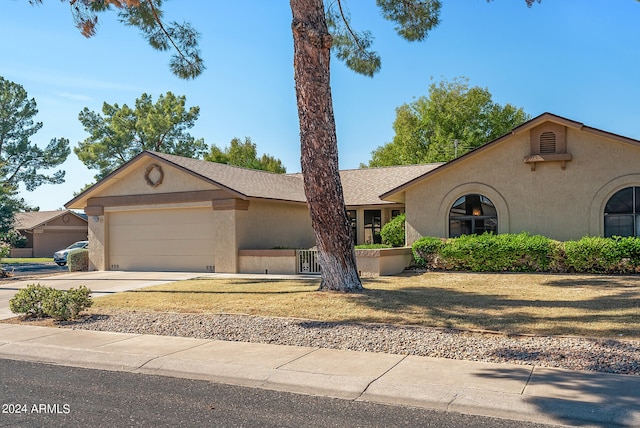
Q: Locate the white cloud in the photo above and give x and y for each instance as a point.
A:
(74, 97)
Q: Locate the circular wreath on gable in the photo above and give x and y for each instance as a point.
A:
(154, 175)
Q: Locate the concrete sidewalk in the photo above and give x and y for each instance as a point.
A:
(519, 392)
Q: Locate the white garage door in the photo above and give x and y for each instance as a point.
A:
(162, 240)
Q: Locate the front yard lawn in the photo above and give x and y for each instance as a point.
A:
(23, 260)
(541, 304)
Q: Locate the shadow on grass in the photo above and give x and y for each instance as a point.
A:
(225, 288)
(221, 292)
(452, 309)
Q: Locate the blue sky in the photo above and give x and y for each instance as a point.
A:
(579, 59)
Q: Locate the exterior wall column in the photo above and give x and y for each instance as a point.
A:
(97, 238)
(225, 212)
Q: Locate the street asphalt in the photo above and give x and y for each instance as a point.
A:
(517, 392)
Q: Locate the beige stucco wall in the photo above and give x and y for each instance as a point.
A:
(269, 224)
(133, 182)
(97, 243)
(562, 204)
(383, 261)
(281, 262)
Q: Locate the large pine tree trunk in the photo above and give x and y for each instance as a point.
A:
(319, 157)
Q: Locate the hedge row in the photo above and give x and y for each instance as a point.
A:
(528, 253)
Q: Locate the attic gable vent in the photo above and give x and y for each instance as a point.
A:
(547, 143)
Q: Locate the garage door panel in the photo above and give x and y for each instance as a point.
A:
(160, 263)
(164, 233)
(171, 240)
(168, 247)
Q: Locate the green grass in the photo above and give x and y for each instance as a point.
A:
(19, 260)
(542, 304)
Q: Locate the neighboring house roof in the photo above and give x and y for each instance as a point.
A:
(33, 219)
(394, 194)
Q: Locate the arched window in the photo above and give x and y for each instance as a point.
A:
(622, 213)
(472, 214)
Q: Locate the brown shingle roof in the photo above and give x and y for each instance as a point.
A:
(32, 219)
(247, 183)
(361, 186)
(364, 186)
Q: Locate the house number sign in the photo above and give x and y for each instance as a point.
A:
(154, 175)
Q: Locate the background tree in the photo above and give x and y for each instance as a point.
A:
(312, 49)
(452, 120)
(121, 133)
(244, 155)
(21, 161)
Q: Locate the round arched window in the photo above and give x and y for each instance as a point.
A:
(622, 213)
(472, 214)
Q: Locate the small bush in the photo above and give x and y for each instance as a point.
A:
(392, 233)
(66, 305)
(29, 300)
(425, 251)
(78, 260)
(39, 301)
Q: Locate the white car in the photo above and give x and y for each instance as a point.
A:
(60, 257)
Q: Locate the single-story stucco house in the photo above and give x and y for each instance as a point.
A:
(550, 176)
(48, 231)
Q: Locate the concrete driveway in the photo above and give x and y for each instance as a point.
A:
(101, 283)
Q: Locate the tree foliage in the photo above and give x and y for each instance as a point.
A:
(452, 120)
(147, 15)
(244, 154)
(21, 161)
(313, 42)
(118, 134)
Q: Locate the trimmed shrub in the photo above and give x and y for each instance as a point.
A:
(594, 254)
(29, 300)
(488, 253)
(39, 301)
(78, 260)
(497, 253)
(66, 305)
(426, 251)
(392, 233)
(629, 248)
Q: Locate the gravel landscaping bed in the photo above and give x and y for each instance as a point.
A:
(602, 355)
